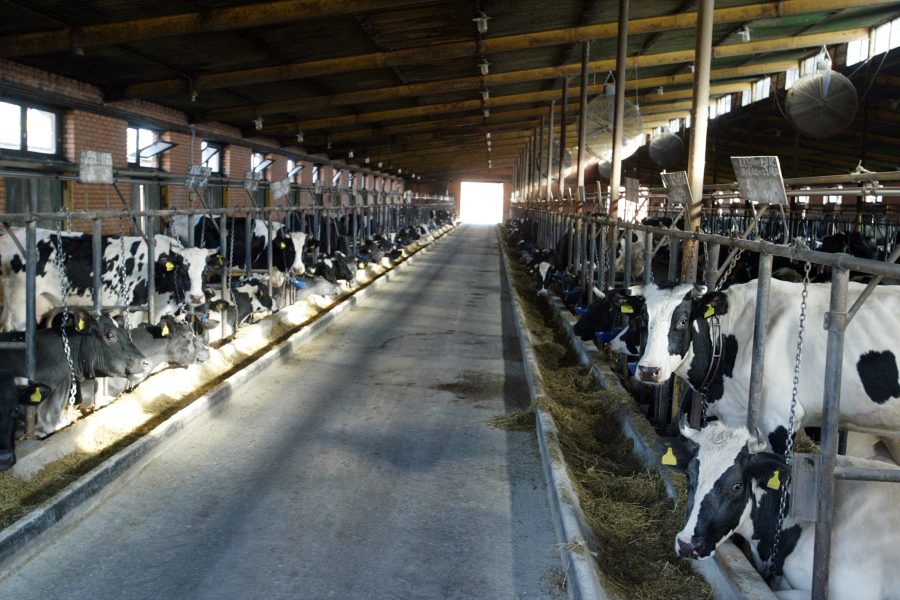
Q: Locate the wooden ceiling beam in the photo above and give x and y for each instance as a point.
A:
(510, 100)
(217, 19)
(430, 54)
(515, 77)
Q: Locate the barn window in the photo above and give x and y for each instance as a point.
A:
(723, 105)
(259, 163)
(857, 51)
(211, 156)
(790, 77)
(317, 173)
(762, 88)
(746, 97)
(25, 128)
(809, 65)
(141, 147)
(351, 179)
(294, 169)
(336, 178)
(886, 37)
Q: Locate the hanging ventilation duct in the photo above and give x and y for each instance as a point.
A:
(822, 104)
(605, 168)
(600, 118)
(554, 168)
(667, 151)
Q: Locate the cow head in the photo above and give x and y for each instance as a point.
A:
(729, 477)
(603, 313)
(195, 260)
(182, 348)
(543, 272)
(105, 350)
(284, 252)
(15, 394)
(672, 315)
(298, 239)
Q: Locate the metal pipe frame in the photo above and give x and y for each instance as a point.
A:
(582, 117)
(760, 333)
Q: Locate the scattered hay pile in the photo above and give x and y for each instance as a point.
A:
(632, 517)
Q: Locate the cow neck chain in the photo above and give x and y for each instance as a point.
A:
(230, 259)
(64, 285)
(715, 330)
(792, 422)
(721, 281)
(120, 275)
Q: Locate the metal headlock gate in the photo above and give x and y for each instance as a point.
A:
(382, 211)
(600, 274)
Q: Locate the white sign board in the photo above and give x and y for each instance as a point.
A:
(251, 181)
(632, 189)
(759, 179)
(677, 189)
(280, 189)
(197, 177)
(95, 167)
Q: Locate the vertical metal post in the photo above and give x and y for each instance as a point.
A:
(97, 261)
(151, 276)
(648, 257)
(627, 275)
(30, 275)
(612, 246)
(673, 259)
(699, 124)
(712, 265)
(570, 229)
(269, 250)
(835, 324)
(550, 152)
(225, 251)
(248, 241)
(760, 329)
(537, 156)
(563, 123)
(582, 117)
(592, 259)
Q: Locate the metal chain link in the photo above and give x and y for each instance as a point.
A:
(789, 451)
(60, 263)
(730, 268)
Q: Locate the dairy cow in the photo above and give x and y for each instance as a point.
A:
(99, 348)
(706, 339)
(735, 486)
(15, 394)
(287, 246)
(178, 274)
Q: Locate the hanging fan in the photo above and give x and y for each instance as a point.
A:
(604, 167)
(822, 104)
(600, 118)
(554, 168)
(667, 150)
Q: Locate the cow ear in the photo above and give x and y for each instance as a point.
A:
(620, 298)
(769, 470)
(83, 321)
(675, 453)
(30, 392)
(219, 305)
(708, 305)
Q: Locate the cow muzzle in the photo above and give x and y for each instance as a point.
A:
(197, 299)
(649, 374)
(7, 460)
(692, 549)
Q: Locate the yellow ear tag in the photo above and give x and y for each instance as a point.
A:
(362, 266)
(669, 457)
(627, 309)
(282, 245)
(710, 311)
(221, 260)
(35, 396)
(170, 266)
(80, 325)
(165, 329)
(774, 483)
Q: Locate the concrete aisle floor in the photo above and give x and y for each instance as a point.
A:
(361, 467)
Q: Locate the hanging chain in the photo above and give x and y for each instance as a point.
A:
(121, 284)
(230, 264)
(60, 263)
(731, 265)
(792, 420)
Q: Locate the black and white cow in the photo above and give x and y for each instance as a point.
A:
(287, 246)
(603, 315)
(637, 255)
(16, 393)
(735, 487)
(178, 274)
(99, 348)
(170, 342)
(681, 335)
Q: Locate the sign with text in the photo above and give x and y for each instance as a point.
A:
(95, 167)
(677, 189)
(759, 179)
(280, 189)
(197, 177)
(632, 189)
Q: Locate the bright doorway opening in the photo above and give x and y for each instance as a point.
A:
(481, 203)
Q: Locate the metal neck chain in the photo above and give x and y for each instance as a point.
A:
(60, 261)
(120, 274)
(730, 268)
(792, 420)
(230, 264)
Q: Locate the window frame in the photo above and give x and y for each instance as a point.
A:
(136, 164)
(24, 106)
(219, 152)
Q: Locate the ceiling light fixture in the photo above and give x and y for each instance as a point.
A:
(485, 67)
(487, 135)
(366, 159)
(258, 122)
(486, 112)
(350, 154)
(194, 96)
(300, 137)
(379, 164)
(660, 90)
(744, 32)
(481, 22)
(328, 146)
(485, 95)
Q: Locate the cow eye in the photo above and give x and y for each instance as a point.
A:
(737, 487)
(110, 335)
(682, 322)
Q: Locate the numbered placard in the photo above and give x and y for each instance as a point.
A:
(197, 177)
(677, 189)
(251, 181)
(280, 189)
(759, 179)
(95, 167)
(632, 189)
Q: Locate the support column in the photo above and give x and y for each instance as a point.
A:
(699, 124)
(537, 156)
(550, 151)
(582, 118)
(563, 123)
(618, 136)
